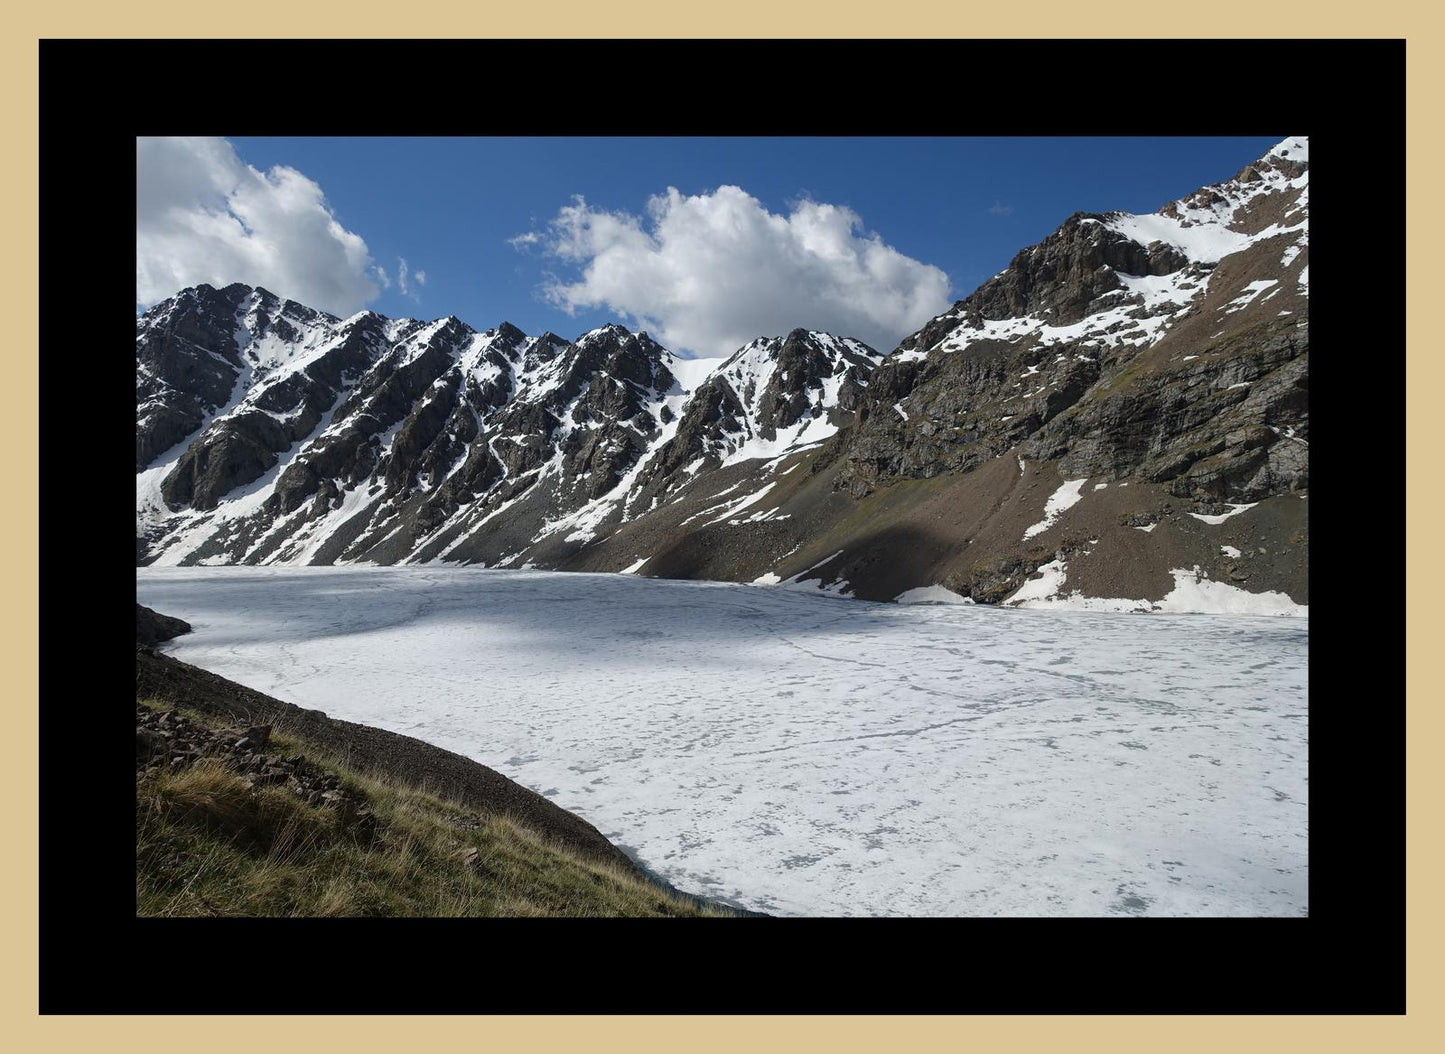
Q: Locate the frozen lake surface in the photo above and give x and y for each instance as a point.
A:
(806, 755)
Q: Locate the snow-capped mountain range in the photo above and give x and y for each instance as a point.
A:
(1117, 419)
(267, 432)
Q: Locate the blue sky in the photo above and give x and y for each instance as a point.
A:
(856, 233)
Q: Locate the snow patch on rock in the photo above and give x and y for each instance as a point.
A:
(1061, 500)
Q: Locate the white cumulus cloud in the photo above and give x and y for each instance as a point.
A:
(709, 272)
(204, 215)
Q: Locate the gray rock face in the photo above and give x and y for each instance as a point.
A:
(1216, 428)
(187, 362)
(1209, 436)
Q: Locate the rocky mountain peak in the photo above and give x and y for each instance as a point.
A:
(1058, 279)
(610, 331)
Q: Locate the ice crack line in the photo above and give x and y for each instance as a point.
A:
(832, 658)
(866, 735)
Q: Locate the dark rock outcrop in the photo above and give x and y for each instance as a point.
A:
(151, 627)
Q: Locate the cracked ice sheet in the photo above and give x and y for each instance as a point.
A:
(800, 755)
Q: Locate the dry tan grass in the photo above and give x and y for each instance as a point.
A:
(207, 844)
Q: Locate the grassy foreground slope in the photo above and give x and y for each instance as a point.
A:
(210, 843)
(247, 806)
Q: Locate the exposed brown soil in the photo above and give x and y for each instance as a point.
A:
(966, 532)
